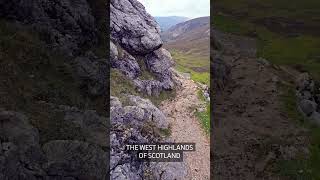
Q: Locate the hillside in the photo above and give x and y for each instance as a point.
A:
(189, 44)
(191, 37)
(166, 22)
(287, 43)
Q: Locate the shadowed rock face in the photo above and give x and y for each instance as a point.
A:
(66, 24)
(22, 156)
(133, 28)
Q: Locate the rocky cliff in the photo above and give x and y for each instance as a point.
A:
(135, 34)
(136, 49)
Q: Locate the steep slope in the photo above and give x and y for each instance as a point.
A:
(167, 22)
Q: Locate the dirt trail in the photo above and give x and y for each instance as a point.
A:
(251, 131)
(187, 128)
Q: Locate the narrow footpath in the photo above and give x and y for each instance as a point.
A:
(185, 127)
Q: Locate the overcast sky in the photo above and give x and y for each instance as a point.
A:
(186, 8)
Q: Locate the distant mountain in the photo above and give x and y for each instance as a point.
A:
(169, 21)
(191, 36)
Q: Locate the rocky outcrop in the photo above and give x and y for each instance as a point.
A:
(138, 122)
(308, 98)
(135, 34)
(67, 25)
(133, 28)
(124, 62)
(22, 157)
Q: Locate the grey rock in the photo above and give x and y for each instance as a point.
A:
(151, 111)
(67, 24)
(150, 87)
(92, 73)
(126, 172)
(16, 128)
(115, 102)
(315, 118)
(171, 170)
(133, 28)
(92, 126)
(20, 153)
(76, 159)
(305, 82)
(113, 51)
(128, 123)
(159, 62)
(127, 64)
(305, 95)
(307, 107)
(134, 112)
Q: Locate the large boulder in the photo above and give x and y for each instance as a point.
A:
(133, 28)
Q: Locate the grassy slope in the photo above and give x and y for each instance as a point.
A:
(301, 51)
(197, 66)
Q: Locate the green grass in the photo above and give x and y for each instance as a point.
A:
(306, 11)
(204, 116)
(305, 168)
(127, 87)
(197, 67)
(301, 51)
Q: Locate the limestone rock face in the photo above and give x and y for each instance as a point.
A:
(133, 28)
(159, 62)
(126, 63)
(136, 35)
(131, 125)
(66, 24)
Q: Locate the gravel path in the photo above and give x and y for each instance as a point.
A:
(187, 128)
